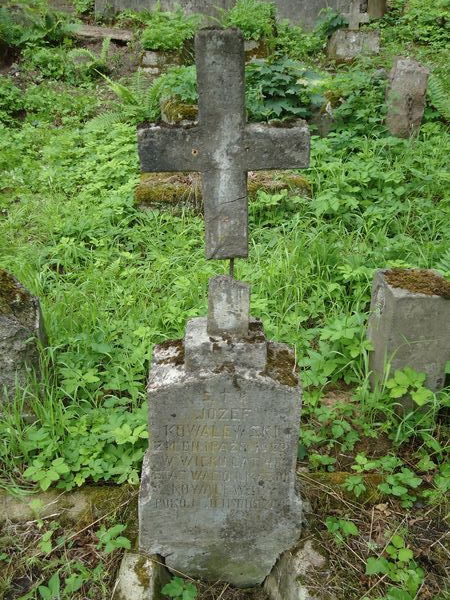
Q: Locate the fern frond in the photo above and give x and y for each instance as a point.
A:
(444, 263)
(105, 49)
(105, 121)
(439, 97)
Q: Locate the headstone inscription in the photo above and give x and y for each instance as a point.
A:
(218, 498)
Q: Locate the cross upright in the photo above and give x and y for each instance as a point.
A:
(221, 145)
(355, 17)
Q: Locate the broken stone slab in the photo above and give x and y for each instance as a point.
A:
(140, 578)
(228, 307)
(286, 580)
(166, 190)
(21, 331)
(154, 62)
(82, 506)
(218, 498)
(406, 96)
(346, 45)
(409, 325)
(92, 32)
(219, 352)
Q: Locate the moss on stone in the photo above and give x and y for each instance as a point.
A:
(281, 365)
(170, 189)
(419, 281)
(142, 572)
(13, 297)
(162, 189)
(331, 485)
(174, 111)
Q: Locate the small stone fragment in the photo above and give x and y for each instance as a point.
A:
(285, 581)
(140, 578)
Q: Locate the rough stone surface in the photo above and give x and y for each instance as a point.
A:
(100, 33)
(218, 497)
(305, 12)
(345, 45)
(228, 307)
(140, 578)
(221, 145)
(21, 327)
(203, 351)
(406, 96)
(408, 329)
(285, 579)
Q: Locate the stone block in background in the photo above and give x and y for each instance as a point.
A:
(346, 45)
(409, 324)
(406, 96)
(169, 190)
(218, 498)
(21, 330)
(303, 12)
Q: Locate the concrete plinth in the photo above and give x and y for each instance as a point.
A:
(410, 328)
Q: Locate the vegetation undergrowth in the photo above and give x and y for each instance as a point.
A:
(114, 281)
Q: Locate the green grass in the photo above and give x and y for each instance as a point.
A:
(114, 281)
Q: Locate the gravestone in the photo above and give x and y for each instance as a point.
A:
(409, 325)
(21, 328)
(306, 13)
(345, 45)
(218, 498)
(406, 96)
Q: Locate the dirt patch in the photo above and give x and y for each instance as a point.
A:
(226, 592)
(419, 281)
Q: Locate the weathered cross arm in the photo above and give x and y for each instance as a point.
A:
(164, 149)
(283, 147)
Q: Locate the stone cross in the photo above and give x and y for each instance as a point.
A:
(222, 146)
(355, 17)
